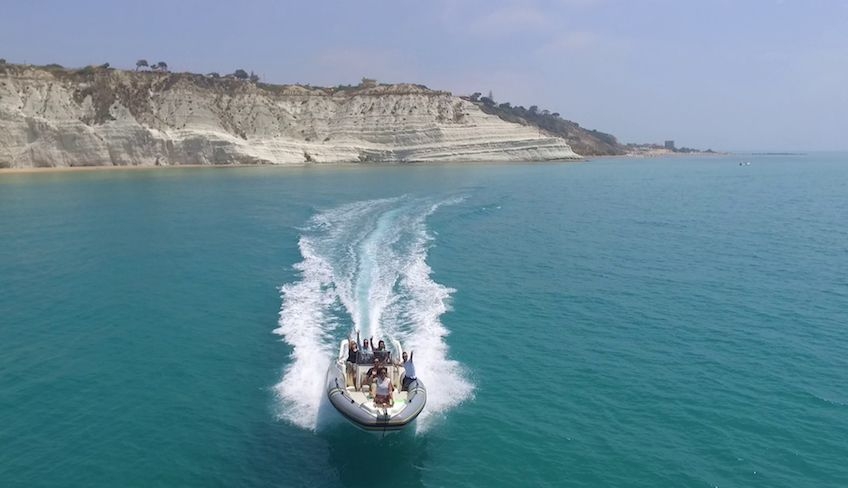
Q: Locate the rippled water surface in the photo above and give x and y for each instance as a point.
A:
(668, 322)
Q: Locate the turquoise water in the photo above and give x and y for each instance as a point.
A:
(669, 322)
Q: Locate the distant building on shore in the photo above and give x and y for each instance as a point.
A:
(669, 145)
(368, 83)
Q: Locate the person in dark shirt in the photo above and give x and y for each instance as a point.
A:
(352, 351)
(371, 374)
(381, 354)
(350, 364)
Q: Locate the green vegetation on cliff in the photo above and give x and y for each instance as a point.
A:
(584, 141)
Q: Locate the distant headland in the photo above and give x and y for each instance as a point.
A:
(668, 148)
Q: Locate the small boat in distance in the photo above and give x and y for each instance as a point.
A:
(351, 393)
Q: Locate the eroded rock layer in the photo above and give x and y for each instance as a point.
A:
(100, 117)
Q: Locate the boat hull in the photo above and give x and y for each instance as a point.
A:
(364, 416)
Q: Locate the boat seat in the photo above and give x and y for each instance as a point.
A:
(358, 397)
(400, 397)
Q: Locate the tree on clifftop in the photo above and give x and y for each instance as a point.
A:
(240, 74)
(141, 63)
(160, 66)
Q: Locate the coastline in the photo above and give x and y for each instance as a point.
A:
(348, 164)
(83, 169)
(660, 153)
(353, 164)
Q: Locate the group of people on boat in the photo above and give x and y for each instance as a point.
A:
(377, 376)
(368, 354)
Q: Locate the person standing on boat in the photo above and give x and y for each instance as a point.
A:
(350, 364)
(352, 351)
(409, 370)
(366, 355)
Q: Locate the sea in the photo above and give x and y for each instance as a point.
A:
(622, 322)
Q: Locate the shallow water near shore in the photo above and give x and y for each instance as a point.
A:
(658, 322)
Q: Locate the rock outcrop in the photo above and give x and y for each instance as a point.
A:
(100, 117)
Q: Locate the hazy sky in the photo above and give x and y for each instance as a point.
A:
(723, 74)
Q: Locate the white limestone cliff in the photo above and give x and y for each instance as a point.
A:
(56, 118)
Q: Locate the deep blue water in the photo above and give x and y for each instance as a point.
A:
(666, 322)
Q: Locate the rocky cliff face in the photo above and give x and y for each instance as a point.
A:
(100, 117)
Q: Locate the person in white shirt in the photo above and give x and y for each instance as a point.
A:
(409, 370)
(383, 390)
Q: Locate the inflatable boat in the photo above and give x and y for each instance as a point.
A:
(352, 394)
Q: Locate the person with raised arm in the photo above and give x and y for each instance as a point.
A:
(409, 370)
(366, 354)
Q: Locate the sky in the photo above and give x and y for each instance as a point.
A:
(723, 74)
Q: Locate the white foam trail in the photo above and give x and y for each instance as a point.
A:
(415, 321)
(306, 324)
(370, 258)
(346, 237)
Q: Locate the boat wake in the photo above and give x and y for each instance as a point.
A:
(364, 267)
